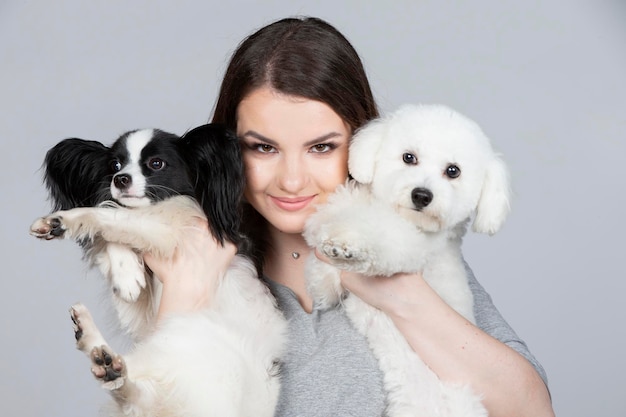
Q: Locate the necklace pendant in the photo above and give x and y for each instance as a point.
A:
(295, 255)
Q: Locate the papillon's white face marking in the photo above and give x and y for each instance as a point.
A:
(129, 183)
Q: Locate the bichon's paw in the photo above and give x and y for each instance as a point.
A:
(346, 256)
(108, 367)
(48, 228)
(342, 252)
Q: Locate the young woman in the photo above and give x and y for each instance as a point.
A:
(295, 91)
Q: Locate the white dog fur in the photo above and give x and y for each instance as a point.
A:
(373, 225)
(219, 361)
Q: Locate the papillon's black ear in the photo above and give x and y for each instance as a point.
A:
(216, 168)
(77, 173)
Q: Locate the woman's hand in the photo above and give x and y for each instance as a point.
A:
(395, 295)
(190, 277)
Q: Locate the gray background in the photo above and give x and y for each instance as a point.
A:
(544, 78)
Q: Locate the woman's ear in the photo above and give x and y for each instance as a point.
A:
(363, 150)
(494, 204)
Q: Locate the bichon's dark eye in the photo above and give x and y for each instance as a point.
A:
(453, 171)
(116, 166)
(409, 158)
(156, 164)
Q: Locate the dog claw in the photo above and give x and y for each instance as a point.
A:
(78, 331)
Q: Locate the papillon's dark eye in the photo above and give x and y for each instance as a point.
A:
(116, 166)
(409, 158)
(156, 164)
(453, 171)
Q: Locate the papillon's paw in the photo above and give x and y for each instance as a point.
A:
(128, 279)
(108, 367)
(48, 228)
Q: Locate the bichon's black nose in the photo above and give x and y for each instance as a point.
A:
(122, 181)
(421, 197)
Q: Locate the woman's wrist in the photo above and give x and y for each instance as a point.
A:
(184, 296)
(191, 277)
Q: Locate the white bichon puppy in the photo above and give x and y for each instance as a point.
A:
(420, 176)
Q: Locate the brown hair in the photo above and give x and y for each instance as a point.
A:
(305, 57)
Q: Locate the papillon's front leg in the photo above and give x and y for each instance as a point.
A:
(78, 223)
(141, 229)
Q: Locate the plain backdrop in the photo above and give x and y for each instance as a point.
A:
(544, 78)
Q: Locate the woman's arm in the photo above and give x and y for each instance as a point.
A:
(455, 349)
(190, 278)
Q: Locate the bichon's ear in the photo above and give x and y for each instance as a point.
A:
(494, 203)
(363, 149)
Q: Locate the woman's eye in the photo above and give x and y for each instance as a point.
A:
(321, 148)
(156, 164)
(264, 148)
(453, 171)
(116, 166)
(409, 158)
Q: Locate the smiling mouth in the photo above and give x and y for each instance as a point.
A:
(292, 204)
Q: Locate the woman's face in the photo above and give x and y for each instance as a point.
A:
(295, 153)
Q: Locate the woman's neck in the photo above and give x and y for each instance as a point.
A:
(284, 263)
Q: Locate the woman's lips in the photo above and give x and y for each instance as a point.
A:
(292, 204)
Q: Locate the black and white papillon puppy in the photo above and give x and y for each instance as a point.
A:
(142, 195)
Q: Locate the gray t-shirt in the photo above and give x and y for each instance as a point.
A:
(329, 370)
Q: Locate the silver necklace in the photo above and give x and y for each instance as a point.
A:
(295, 255)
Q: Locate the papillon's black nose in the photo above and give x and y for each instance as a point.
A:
(421, 197)
(122, 181)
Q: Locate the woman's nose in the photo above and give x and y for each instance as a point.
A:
(292, 175)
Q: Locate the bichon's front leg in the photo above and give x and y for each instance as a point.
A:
(367, 236)
(373, 240)
(108, 367)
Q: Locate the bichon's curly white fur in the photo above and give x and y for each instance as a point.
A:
(420, 176)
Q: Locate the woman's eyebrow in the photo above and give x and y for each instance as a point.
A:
(320, 139)
(255, 135)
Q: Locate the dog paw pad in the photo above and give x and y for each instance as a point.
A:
(48, 228)
(107, 366)
(342, 252)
